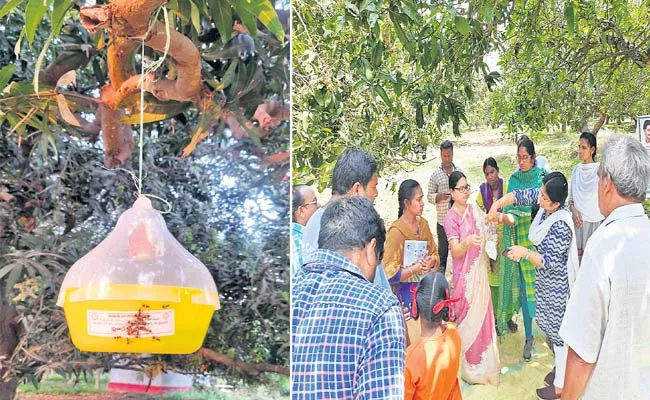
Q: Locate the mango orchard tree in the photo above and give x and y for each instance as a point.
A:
(575, 63)
(392, 76)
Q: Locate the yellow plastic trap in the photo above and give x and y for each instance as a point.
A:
(139, 291)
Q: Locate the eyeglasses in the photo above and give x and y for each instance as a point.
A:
(315, 201)
(465, 188)
(523, 158)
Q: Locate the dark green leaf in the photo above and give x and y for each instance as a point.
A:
(487, 12)
(250, 10)
(222, 17)
(419, 115)
(408, 44)
(229, 77)
(377, 54)
(364, 5)
(569, 14)
(410, 10)
(185, 10)
(382, 93)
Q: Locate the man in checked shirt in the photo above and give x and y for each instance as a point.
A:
(439, 194)
(348, 338)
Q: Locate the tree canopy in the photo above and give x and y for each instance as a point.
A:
(392, 77)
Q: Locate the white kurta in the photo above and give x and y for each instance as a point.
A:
(607, 320)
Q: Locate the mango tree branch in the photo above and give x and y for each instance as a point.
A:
(247, 368)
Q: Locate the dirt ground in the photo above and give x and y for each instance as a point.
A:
(88, 396)
(519, 379)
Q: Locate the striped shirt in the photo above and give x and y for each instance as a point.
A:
(348, 338)
(439, 183)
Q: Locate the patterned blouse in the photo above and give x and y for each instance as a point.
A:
(552, 279)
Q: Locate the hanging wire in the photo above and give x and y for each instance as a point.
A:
(144, 71)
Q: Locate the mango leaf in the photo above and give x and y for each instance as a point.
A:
(39, 62)
(487, 11)
(419, 115)
(462, 25)
(249, 10)
(410, 10)
(9, 267)
(229, 77)
(382, 93)
(66, 114)
(69, 78)
(570, 15)
(196, 17)
(184, 10)
(9, 7)
(221, 13)
(5, 75)
(377, 54)
(154, 109)
(59, 9)
(34, 12)
(406, 41)
(207, 120)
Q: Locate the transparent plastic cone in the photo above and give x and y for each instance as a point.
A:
(139, 290)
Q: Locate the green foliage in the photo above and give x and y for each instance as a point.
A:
(389, 77)
(568, 62)
(67, 202)
(248, 78)
(230, 208)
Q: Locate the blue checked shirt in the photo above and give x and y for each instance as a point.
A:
(348, 338)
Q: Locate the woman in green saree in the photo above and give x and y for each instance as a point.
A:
(517, 280)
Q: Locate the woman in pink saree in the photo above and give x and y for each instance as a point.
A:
(465, 228)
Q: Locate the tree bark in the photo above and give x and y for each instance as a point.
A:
(600, 123)
(8, 341)
(247, 368)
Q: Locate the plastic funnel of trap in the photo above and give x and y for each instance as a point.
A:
(139, 291)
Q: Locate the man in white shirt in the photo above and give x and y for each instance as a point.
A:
(607, 321)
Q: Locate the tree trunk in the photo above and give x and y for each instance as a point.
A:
(563, 127)
(600, 123)
(8, 342)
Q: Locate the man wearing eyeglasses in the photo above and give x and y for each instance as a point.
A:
(439, 194)
(303, 204)
(355, 174)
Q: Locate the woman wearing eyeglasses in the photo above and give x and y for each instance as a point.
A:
(555, 258)
(517, 279)
(410, 251)
(465, 228)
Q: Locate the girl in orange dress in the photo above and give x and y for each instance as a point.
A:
(432, 361)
